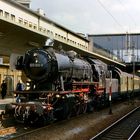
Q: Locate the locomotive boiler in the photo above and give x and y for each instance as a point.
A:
(63, 84)
(46, 66)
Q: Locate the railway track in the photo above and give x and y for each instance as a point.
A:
(125, 128)
(65, 129)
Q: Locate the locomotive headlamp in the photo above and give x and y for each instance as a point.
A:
(63, 97)
(36, 57)
(35, 54)
(57, 96)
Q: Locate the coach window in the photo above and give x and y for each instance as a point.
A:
(1, 12)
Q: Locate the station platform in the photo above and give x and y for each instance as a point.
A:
(5, 101)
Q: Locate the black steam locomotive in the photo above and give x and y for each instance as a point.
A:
(63, 84)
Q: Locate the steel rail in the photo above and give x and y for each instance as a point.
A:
(134, 133)
(106, 130)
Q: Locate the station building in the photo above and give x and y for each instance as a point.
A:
(124, 46)
(22, 29)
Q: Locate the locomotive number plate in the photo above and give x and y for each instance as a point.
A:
(37, 65)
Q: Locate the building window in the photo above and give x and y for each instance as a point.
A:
(13, 17)
(35, 26)
(56, 35)
(20, 20)
(44, 30)
(30, 24)
(51, 33)
(6, 14)
(26, 22)
(1, 12)
(40, 28)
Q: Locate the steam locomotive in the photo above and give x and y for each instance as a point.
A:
(63, 84)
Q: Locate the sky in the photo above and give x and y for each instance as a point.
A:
(93, 16)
